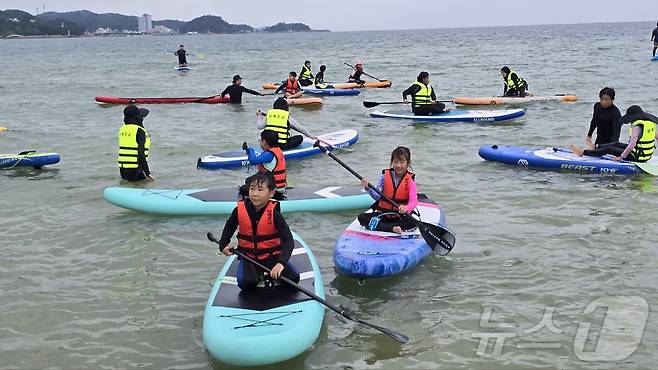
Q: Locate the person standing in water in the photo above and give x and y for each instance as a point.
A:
(654, 39)
(235, 91)
(182, 56)
(605, 120)
(134, 144)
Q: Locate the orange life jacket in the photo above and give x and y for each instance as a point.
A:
(399, 194)
(292, 87)
(279, 170)
(263, 241)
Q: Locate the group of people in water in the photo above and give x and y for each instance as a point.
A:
(263, 233)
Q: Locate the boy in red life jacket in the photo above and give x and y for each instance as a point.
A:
(290, 87)
(270, 160)
(398, 184)
(263, 234)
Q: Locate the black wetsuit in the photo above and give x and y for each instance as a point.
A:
(235, 92)
(423, 109)
(247, 273)
(654, 38)
(319, 78)
(356, 77)
(182, 59)
(142, 170)
(606, 123)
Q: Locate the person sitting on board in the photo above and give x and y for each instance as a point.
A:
(134, 144)
(182, 59)
(279, 120)
(290, 87)
(654, 39)
(319, 79)
(263, 234)
(306, 76)
(270, 160)
(396, 182)
(357, 71)
(641, 144)
(605, 119)
(423, 98)
(515, 85)
(236, 89)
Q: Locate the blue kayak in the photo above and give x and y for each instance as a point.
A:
(363, 253)
(189, 202)
(28, 158)
(455, 115)
(238, 158)
(329, 91)
(557, 159)
(265, 325)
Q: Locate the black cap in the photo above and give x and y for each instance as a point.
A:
(236, 77)
(633, 113)
(133, 111)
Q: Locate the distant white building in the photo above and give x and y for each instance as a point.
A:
(145, 24)
(162, 30)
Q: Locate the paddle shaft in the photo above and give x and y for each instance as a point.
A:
(365, 73)
(371, 104)
(339, 310)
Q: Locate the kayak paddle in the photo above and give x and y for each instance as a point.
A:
(371, 104)
(439, 238)
(369, 75)
(401, 338)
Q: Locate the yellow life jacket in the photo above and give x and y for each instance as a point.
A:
(128, 145)
(306, 73)
(277, 120)
(643, 150)
(510, 83)
(423, 96)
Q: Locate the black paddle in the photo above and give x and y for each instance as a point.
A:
(369, 75)
(371, 104)
(439, 238)
(339, 310)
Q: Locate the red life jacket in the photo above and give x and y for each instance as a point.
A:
(292, 87)
(279, 170)
(399, 194)
(264, 241)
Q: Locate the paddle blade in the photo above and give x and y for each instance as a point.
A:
(370, 104)
(399, 337)
(439, 238)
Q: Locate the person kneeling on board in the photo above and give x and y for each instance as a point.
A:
(306, 76)
(236, 89)
(263, 234)
(423, 98)
(397, 183)
(290, 87)
(278, 119)
(355, 75)
(515, 85)
(134, 144)
(641, 144)
(271, 160)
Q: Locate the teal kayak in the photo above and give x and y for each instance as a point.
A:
(265, 325)
(222, 201)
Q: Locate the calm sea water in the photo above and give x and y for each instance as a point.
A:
(88, 285)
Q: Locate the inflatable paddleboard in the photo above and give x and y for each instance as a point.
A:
(344, 85)
(455, 115)
(655, 58)
(238, 158)
(304, 101)
(264, 325)
(332, 92)
(29, 158)
(363, 253)
(496, 100)
(557, 159)
(182, 69)
(191, 99)
(222, 201)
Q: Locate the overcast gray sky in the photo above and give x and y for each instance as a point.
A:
(350, 15)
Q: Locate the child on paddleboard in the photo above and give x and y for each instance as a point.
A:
(396, 182)
(263, 234)
(271, 160)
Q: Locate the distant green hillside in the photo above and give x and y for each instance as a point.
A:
(288, 27)
(21, 23)
(92, 21)
(214, 24)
